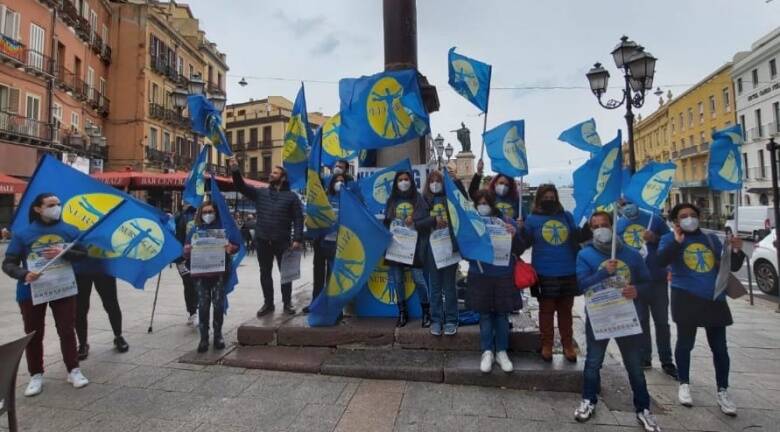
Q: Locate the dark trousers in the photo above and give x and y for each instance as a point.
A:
(656, 303)
(267, 250)
(34, 317)
(105, 286)
(323, 265)
(211, 291)
(190, 294)
(716, 337)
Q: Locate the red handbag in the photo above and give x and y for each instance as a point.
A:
(524, 274)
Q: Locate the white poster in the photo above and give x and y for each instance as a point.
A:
(502, 243)
(208, 252)
(290, 267)
(58, 281)
(611, 315)
(403, 245)
(441, 248)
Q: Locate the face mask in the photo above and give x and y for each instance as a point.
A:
(689, 224)
(337, 186)
(631, 211)
(501, 189)
(484, 210)
(209, 218)
(52, 213)
(549, 205)
(602, 235)
(338, 170)
(404, 185)
(435, 187)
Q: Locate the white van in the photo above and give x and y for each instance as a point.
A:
(755, 222)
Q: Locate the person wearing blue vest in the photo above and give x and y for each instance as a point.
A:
(595, 265)
(46, 236)
(642, 231)
(554, 238)
(694, 258)
(492, 293)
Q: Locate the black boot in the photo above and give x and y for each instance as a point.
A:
(203, 346)
(219, 341)
(426, 315)
(403, 315)
(203, 326)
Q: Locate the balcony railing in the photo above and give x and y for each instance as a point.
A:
(154, 155)
(104, 106)
(252, 145)
(182, 162)
(105, 54)
(69, 13)
(83, 28)
(217, 169)
(757, 173)
(65, 79)
(18, 128)
(11, 50)
(156, 111)
(160, 65)
(214, 88)
(176, 118)
(96, 42)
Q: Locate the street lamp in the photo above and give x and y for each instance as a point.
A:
(638, 72)
(438, 145)
(448, 151)
(218, 100)
(196, 84)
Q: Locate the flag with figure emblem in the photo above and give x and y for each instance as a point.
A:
(598, 182)
(725, 166)
(650, 186)
(332, 150)
(297, 140)
(195, 184)
(206, 120)
(232, 233)
(505, 145)
(320, 217)
(360, 245)
(583, 136)
(381, 110)
(469, 228)
(376, 188)
(470, 78)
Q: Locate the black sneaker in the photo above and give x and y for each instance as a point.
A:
(647, 364)
(670, 369)
(265, 310)
(83, 352)
(289, 310)
(219, 342)
(120, 344)
(203, 346)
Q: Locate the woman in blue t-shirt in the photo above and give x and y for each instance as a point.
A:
(504, 190)
(693, 258)
(45, 237)
(554, 237)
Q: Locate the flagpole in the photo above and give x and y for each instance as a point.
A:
(614, 231)
(484, 129)
(736, 228)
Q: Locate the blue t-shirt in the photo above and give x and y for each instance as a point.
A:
(553, 254)
(508, 207)
(490, 269)
(631, 232)
(694, 266)
(34, 239)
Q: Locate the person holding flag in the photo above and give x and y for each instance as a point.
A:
(504, 190)
(45, 236)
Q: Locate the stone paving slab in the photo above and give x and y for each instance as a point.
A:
(409, 365)
(280, 358)
(364, 331)
(210, 357)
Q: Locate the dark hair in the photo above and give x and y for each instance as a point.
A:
(199, 214)
(33, 215)
(601, 213)
(542, 191)
(513, 194)
(341, 161)
(427, 188)
(679, 207)
(411, 193)
(284, 183)
(489, 197)
(333, 179)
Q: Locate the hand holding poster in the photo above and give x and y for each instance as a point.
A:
(502, 243)
(611, 315)
(403, 245)
(441, 248)
(208, 252)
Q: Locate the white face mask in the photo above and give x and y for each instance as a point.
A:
(602, 235)
(404, 185)
(435, 187)
(337, 170)
(689, 224)
(337, 186)
(209, 218)
(484, 210)
(52, 213)
(501, 189)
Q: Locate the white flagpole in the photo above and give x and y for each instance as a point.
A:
(59, 255)
(614, 231)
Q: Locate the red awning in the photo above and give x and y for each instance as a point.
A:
(11, 185)
(151, 180)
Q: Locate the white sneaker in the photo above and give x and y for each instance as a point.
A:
(648, 421)
(35, 386)
(684, 395)
(76, 378)
(192, 321)
(503, 360)
(727, 406)
(486, 365)
(585, 411)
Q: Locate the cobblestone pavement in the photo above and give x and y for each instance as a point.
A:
(147, 389)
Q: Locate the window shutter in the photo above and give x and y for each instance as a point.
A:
(17, 26)
(13, 100)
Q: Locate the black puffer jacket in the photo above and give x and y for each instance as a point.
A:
(278, 211)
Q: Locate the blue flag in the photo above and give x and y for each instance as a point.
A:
(85, 201)
(598, 182)
(470, 232)
(232, 233)
(376, 188)
(381, 110)
(297, 140)
(650, 186)
(332, 150)
(205, 120)
(470, 78)
(360, 244)
(195, 184)
(505, 145)
(725, 166)
(583, 136)
(320, 218)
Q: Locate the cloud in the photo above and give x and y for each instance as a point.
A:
(300, 27)
(326, 46)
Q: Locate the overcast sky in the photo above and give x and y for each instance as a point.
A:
(529, 43)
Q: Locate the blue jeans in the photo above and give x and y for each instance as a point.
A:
(716, 337)
(442, 284)
(657, 304)
(494, 331)
(630, 349)
(395, 275)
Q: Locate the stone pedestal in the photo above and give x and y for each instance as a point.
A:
(464, 166)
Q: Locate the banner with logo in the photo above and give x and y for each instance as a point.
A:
(378, 298)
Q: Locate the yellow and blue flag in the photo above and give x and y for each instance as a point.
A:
(332, 150)
(598, 182)
(206, 120)
(470, 78)
(725, 166)
(376, 188)
(470, 231)
(360, 244)
(195, 184)
(297, 140)
(650, 186)
(320, 218)
(381, 110)
(505, 145)
(232, 233)
(583, 136)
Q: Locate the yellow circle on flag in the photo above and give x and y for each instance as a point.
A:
(513, 145)
(622, 270)
(292, 152)
(632, 236)
(330, 138)
(83, 210)
(699, 258)
(379, 284)
(465, 72)
(506, 209)
(349, 264)
(554, 232)
(386, 115)
(138, 238)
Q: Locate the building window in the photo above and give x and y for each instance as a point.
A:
(241, 112)
(682, 124)
(742, 123)
(755, 78)
(102, 86)
(690, 117)
(772, 69)
(739, 85)
(267, 164)
(229, 137)
(90, 82)
(153, 138)
(759, 126)
(180, 65)
(701, 112)
(701, 138)
(713, 108)
(240, 137)
(166, 141)
(690, 139)
(745, 165)
(74, 121)
(33, 107)
(726, 100)
(56, 112)
(253, 165)
(776, 114)
(155, 92)
(10, 21)
(761, 167)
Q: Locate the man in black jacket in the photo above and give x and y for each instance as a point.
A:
(183, 225)
(279, 216)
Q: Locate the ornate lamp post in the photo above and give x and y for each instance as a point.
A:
(438, 145)
(448, 152)
(638, 71)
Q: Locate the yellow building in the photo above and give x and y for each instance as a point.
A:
(681, 129)
(255, 130)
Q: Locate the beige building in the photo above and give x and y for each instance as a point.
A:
(255, 130)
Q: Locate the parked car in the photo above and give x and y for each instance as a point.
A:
(755, 222)
(764, 264)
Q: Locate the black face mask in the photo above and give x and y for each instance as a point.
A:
(549, 205)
